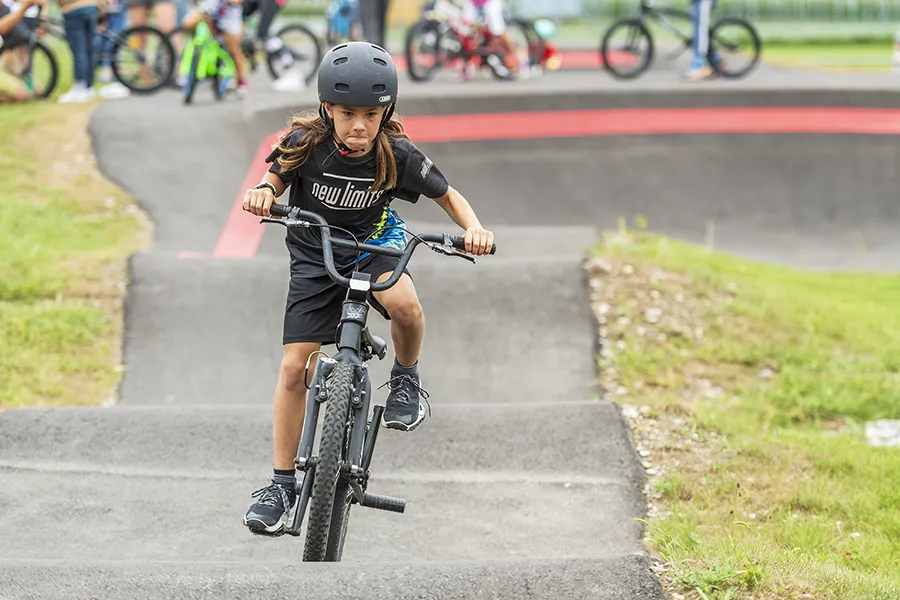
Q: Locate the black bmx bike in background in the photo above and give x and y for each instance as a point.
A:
(141, 57)
(337, 477)
(628, 49)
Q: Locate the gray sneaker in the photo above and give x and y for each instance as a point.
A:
(403, 410)
(268, 515)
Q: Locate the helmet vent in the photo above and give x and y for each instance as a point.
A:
(380, 62)
(378, 88)
(342, 87)
(341, 60)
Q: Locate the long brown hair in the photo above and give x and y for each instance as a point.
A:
(316, 133)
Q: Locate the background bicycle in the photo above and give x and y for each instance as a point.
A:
(444, 38)
(141, 58)
(627, 49)
(299, 56)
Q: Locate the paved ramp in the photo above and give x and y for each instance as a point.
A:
(523, 484)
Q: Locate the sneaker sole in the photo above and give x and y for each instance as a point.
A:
(260, 528)
(401, 426)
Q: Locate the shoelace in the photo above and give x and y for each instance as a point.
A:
(400, 382)
(270, 494)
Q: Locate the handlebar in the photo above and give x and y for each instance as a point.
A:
(442, 243)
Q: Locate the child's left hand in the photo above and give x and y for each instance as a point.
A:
(479, 240)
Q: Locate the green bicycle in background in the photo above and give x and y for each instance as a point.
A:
(205, 58)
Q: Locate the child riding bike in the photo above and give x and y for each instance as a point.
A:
(347, 163)
(226, 16)
(492, 13)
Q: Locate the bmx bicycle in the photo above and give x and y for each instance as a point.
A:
(204, 58)
(300, 50)
(337, 477)
(731, 34)
(35, 64)
(443, 37)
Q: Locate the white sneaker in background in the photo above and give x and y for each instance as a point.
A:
(290, 81)
(78, 93)
(113, 91)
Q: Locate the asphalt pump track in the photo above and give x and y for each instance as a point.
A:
(523, 483)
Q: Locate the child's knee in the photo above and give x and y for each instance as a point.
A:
(406, 310)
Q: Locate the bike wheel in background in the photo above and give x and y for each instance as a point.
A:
(143, 59)
(529, 46)
(627, 49)
(35, 68)
(734, 47)
(302, 52)
(424, 48)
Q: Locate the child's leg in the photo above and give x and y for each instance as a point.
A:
(267, 513)
(232, 26)
(403, 409)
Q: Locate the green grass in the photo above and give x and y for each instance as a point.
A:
(65, 233)
(793, 501)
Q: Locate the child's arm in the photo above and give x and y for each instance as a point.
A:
(478, 239)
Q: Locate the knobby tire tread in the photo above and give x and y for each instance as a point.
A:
(321, 503)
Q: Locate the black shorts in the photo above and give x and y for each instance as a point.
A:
(313, 309)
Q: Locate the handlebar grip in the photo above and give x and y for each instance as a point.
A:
(459, 242)
(279, 210)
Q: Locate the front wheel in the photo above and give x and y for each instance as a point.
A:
(339, 386)
(734, 47)
(630, 57)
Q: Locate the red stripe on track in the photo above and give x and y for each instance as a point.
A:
(643, 121)
(243, 232)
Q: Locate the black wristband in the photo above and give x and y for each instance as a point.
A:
(268, 185)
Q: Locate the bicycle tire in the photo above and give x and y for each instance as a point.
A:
(168, 65)
(39, 47)
(315, 59)
(534, 41)
(757, 46)
(190, 81)
(422, 26)
(638, 26)
(340, 515)
(321, 504)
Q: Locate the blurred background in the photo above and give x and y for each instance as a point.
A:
(854, 35)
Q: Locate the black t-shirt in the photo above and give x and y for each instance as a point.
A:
(336, 187)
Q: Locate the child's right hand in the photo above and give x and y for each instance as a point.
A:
(258, 201)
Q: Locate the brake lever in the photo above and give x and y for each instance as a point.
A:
(285, 221)
(451, 251)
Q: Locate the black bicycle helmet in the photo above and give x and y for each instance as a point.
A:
(358, 74)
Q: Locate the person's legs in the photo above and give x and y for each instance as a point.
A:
(698, 69)
(89, 25)
(267, 514)
(312, 312)
(78, 29)
(165, 15)
(232, 26)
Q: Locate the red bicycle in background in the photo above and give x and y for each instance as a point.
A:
(443, 38)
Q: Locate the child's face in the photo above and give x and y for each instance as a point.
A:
(357, 126)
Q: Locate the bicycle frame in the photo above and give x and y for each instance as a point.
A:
(356, 345)
(660, 14)
(210, 51)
